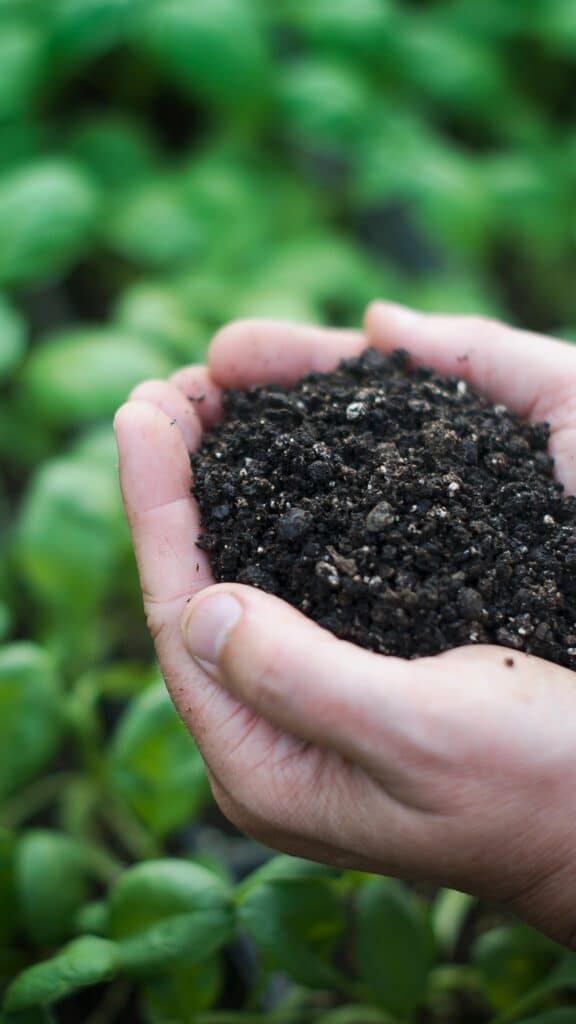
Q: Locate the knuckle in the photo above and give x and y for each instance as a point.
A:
(159, 625)
(156, 627)
(556, 402)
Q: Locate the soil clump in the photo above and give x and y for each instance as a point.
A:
(395, 507)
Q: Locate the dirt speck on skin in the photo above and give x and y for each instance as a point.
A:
(396, 507)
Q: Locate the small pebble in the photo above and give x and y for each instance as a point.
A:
(380, 517)
(294, 524)
(355, 411)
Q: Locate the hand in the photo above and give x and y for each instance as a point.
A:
(457, 769)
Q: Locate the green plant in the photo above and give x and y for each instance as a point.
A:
(165, 166)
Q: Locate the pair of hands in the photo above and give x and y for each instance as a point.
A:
(457, 769)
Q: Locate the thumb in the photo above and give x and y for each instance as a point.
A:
(304, 680)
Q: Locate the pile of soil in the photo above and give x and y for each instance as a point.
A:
(396, 507)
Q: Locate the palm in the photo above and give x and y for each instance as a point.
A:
(433, 765)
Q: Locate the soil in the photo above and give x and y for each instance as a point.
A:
(395, 507)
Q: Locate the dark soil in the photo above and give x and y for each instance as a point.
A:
(397, 508)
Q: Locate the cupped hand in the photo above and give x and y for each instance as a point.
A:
(458, 769)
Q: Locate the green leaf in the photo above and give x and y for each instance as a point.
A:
(193, 42)
(22, 55)
(169, 911)
(320, 269)
(512, 960)
(93, 918)
(460, 71)
(51, 881)
(24, 444)
(296, 922)
(357, 29)
(565, 1016)
(13, 333)
(70, 533)
(5, 621)
(182, 994)
(155, 765)
(179, 939)
(118, 152)
(118, 680)
(154, 228)
(285, 868)
(30, 717)
(159, 315)
(449, 912)
(83, 28)
(79, 806)
(8, 899)
(270, 302)
(85, 373)
(21, 140)
(454, 293)
(322, 103)
(392, 945)
(86, 961)
(553, 23)
(36, 1015)
(563, 974)
(528, 194)
(355, 1015)
(156, 889)
(47, 212)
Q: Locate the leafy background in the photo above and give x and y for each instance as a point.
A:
(165, 166)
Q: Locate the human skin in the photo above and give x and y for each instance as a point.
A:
(457, 769)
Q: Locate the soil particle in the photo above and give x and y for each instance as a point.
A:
(380, 517)
(396, 507)
(294, 524)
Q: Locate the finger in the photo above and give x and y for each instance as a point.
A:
(407, 723)
(305, 681)
(506, 687)
(249, 352)
(172, 402)
(164, 520)
(155, 479)
(196, 384)
(527, 372)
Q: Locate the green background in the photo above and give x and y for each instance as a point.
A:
(166, 166)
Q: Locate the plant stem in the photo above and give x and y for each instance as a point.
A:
(114, 1000)
(133, 836)
(34, 798)
(105, 865)
(455, 978)
(531, 1001)
(345, 1014)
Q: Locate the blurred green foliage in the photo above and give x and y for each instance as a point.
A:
(165, 166)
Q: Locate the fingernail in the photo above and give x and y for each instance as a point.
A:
(207, 625)
(396, 314)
